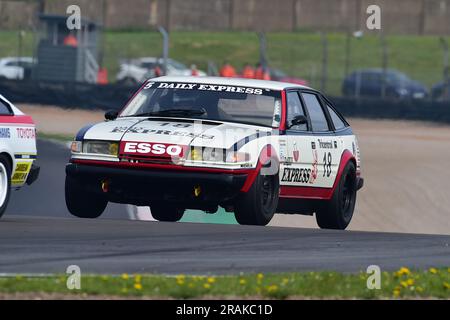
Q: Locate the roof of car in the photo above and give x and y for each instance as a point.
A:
(16, 59)
(264, 84)
(376, 70)
(151, 59)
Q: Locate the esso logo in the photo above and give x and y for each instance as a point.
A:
(153, 149)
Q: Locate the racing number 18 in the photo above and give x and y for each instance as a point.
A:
(327, 159)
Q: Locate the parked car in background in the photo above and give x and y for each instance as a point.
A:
(16, 68)
(278, 75)
(369, 83)
(440, 91)
(136, 71)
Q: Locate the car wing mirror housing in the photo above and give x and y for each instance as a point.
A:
(298, 120)
(111, 115)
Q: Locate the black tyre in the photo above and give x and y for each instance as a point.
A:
(167, 213)
(5, 183)
(258, 205)
(338, 211)
(81, 203)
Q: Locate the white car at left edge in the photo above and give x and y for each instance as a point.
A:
(17, 151)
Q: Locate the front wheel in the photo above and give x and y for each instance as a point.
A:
(338, 211)
(167, 213)
(5, 183)
(82, 203)
(258, 205)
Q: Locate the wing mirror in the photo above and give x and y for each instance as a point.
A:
(298, 120)
(111, 115)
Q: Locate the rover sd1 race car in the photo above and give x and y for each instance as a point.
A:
(253, 147)
(17, 151)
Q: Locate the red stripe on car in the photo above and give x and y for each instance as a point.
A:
(175, 167)
(283, 110)
(17, 119)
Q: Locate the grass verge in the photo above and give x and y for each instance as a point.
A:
(432, 283)
(55, 136)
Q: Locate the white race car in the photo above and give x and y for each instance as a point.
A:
(253, 147)
(138, 70)
(17, 151)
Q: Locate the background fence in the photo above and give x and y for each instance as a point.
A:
(323, 59)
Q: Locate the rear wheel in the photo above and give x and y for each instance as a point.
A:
(5, 183)
(167, 213)
(82, 203)
(258, 205)
(338, 211)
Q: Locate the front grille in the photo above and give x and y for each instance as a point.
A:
(148, 160)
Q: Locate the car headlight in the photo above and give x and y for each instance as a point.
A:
(101, 147)
(76, 147)
(217, 155)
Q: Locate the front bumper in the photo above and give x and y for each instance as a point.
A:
(144, 186)
(33, 174)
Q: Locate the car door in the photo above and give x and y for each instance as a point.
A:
(324, 145)
(298, 160)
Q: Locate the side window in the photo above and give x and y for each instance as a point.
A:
(337, 121)
(295, 108)
(4, 109)
(318, 119)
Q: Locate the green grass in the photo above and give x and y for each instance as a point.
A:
(297, 53)
(55, 136)
(433, 283)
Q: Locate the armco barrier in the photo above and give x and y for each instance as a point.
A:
(107, 97)
(423, 110)
(67, 95)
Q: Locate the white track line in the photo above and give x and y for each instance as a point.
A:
(139, 213)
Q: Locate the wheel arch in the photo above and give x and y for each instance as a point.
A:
(346, 156)
(9, 158)
(267, 154)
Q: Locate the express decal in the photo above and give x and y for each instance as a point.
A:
(203, 87)
(152, 149)
(301, 175)
(143, 130)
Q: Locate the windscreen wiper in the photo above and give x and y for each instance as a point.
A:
(172, 112)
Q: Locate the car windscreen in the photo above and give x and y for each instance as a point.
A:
(207, 101)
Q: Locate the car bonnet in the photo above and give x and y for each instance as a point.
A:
(186, 132)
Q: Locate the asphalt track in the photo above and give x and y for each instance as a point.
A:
(115, 246)
(37, 235)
